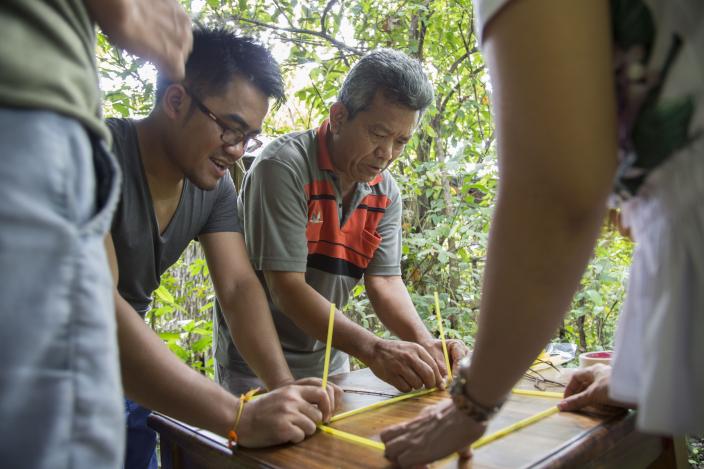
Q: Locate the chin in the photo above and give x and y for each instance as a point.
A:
(204, 184)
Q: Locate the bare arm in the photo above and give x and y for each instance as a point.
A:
(156, 378)
(405, 365)
(554, 105)
(556, 118)
(156, 30)
(245, 307)
(311, 311)
(394, 307)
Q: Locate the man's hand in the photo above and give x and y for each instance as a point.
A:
(588, 386)
(405, 365)
(285, 415)
(438, 432)
(456, 349)
(334, 394)
(156, 30)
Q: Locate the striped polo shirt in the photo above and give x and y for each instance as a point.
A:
(294, 220)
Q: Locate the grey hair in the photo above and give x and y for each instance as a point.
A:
(399, 77)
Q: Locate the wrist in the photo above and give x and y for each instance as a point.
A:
(241, 423)
(465, 400)
(427, 342)
(244, 427)
(419, 334)
(468, 424)
(228, 414)
(367, 349)
(280, 382)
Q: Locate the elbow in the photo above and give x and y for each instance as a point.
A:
(280, 285)
(582, 201)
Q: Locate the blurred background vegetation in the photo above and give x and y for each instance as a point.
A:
(447, 174)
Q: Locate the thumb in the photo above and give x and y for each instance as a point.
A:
(575, 401)
(465, 453)
(317, 396)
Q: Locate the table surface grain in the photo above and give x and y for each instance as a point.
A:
(561, 439)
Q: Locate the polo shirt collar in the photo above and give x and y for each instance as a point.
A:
(324, 160)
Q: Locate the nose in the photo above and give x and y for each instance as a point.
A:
(236, 150)
(385, 150)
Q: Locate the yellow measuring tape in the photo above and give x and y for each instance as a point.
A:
(360, 440)
(442, 338)
(326, 366)
(376, 405)
(369, 443)
(516, 426)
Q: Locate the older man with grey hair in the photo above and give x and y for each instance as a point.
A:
(321, 212)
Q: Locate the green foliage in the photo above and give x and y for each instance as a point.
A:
(696, 451)
(591, 321)
(448, 173)
(181, 311)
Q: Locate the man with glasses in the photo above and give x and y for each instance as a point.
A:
(321, 212)
(176, 188)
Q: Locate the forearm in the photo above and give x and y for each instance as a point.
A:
(556, 141)
(311, 312)
(536, 257)
(395, 309)
(157, 379)
(252, 330)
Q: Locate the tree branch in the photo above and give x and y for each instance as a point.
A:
(323, 17)
(309, 32)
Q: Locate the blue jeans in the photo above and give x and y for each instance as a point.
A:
(141, 440)
(60, 388)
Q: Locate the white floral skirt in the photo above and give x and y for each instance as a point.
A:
(659, 359)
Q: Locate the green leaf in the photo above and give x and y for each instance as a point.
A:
(169, 336)
(202, 344)
(163, 295)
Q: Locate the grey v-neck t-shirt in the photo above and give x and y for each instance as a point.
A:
(142, 253)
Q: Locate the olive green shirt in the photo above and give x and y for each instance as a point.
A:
(47, 60)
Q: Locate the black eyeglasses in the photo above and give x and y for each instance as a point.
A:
(229, 136)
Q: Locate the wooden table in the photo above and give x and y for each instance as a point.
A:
(561, 440)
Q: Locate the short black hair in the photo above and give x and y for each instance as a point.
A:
(217, 56)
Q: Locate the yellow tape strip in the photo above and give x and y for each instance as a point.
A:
(442, 338)
(423, 392)
(376, 405)
(359, 440)
(326, 367)
(516, 426)
(528, 392)
(369, 443)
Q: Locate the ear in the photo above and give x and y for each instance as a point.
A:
(175, 100)
(338, 116)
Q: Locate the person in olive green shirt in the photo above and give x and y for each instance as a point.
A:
(60, 390)
(60, 398)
